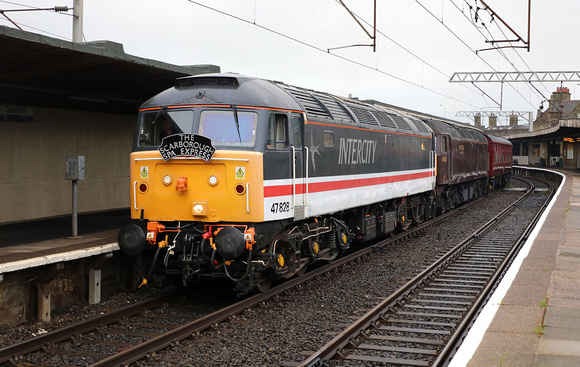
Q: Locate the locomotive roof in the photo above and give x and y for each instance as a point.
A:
(457, 131)
(225, 88)
(234, 89)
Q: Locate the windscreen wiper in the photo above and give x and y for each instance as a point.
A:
(237, 123)
(163, 108)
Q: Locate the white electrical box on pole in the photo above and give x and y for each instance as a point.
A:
(78, 21)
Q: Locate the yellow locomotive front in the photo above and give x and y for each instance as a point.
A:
(197, 189)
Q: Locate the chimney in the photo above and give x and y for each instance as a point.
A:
(478, 120)
(513, 120)
(492, 121)
(561, 94)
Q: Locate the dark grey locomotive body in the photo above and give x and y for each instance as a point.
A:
(296, 177)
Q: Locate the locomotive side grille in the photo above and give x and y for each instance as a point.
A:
(451, 131)
(364, 116)
(385, 120)
(471, 135)
(420, 126)
(311, 104)
(401, 123)
(463, 134)
(335, 108)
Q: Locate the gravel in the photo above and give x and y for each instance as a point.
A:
(303, 319)
(307, 318)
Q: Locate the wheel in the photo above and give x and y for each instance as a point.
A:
(263, 282)
(330, 255)
(302, 271)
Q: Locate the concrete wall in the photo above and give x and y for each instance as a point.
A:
(33, 183)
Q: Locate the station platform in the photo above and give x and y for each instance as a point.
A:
(533, 318)
(37, 243)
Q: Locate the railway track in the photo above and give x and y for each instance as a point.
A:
(120, 353)
(423, 323)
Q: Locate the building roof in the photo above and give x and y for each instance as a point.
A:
(566, 107)
(564, 128)
(38, 70)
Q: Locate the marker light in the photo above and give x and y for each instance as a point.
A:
(143, 187)
(167, 180)
(213, 180)
(240, 189)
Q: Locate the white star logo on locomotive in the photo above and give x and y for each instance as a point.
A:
(314, 150)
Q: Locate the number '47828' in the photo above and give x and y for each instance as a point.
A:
(282, 207)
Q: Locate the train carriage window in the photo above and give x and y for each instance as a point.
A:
(423, 145)
(221, 128)
(329, 139)
(277, 132)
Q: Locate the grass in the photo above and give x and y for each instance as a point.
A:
(501, 360)
(544, 302)
(539, 328)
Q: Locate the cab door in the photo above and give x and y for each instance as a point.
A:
(299, 176)
(443, 148)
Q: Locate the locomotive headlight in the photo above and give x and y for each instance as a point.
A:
(167, 179)
(213, 180)
(198, 208)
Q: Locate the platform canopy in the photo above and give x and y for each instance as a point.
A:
(37, 70)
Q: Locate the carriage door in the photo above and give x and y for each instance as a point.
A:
(443, 158)
(299, 179)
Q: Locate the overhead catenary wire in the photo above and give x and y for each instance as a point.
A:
(329, 53)
(530, 85)
(408, 51)
(62, 10)
(501, 52)
(466, 45)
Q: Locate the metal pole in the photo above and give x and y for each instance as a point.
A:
(529, 20)
(375, 29)
(74, 209)
(78, 21)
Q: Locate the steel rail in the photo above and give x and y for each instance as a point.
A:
(141, 350)
(450, 348)
(65, 333)
(342, 339)
(138, 351)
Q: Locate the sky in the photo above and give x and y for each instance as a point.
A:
(419, 44)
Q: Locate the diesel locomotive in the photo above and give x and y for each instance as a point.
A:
(253, 180)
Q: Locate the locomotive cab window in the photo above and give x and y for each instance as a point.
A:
(155, 125)
(225, 130)
(277, 132)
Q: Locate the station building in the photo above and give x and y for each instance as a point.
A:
(552, 140)
(60, 99)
